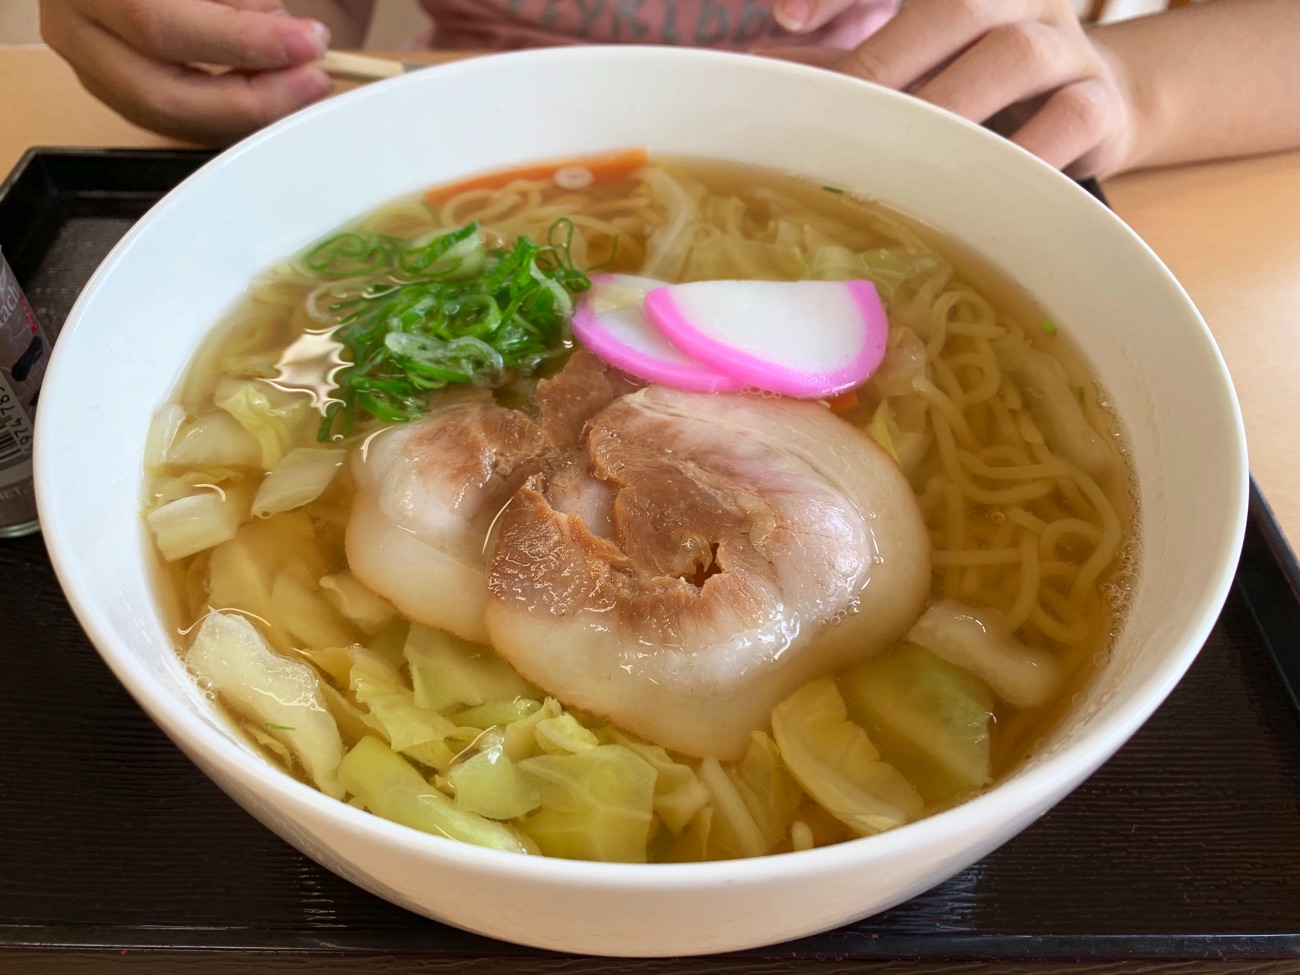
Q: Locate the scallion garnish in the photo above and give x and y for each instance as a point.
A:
(833, 189)
(440, 310)
(348, 255)
(278, 727)
(1048, 326)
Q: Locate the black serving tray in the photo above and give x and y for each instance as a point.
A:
(1182, 854)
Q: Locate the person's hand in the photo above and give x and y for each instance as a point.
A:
(1026, 67)
(205, 70)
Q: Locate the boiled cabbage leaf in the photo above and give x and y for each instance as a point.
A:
(679, 794)
(242, 571)
(283, 696)
(300, 477)
(347, 594)
(447, 671)
(390, 787)
(213, 439)
(836, 763)
(306, 615)
(201, 521)
(488, 783)
(930, 719)
(768, 789)
(521, 736)
(417, 732)
(497, 713)
(564, 735)
(272, 417)
(596, 805)
(734, 833)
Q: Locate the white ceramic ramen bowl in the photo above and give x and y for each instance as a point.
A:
(140, 319)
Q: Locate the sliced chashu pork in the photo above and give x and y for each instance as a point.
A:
(676, 562)
(742, 545)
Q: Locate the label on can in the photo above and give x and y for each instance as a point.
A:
(24, 351)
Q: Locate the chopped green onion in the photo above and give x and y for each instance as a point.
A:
(427, 257)
(278, 727)
(1083, 398)
(1048, 326)
(439, 310)
(348, 255)
(833, 189)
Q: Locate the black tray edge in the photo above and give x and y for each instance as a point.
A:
(1269, 578)
(46, 179)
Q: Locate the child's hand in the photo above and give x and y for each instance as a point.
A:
(141, 57)
(1027, 66)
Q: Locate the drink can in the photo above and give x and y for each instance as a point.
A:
(24, 351)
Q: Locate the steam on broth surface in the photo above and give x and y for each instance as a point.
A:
(734, 671)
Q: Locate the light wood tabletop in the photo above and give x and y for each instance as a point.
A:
(1229, 231)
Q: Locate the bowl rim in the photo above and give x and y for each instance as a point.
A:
(1023, 792)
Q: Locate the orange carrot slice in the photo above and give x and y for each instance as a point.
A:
(603, 168)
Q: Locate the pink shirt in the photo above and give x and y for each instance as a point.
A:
(734, 24)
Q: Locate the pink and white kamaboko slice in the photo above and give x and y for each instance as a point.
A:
(807, 339)
(611, 323)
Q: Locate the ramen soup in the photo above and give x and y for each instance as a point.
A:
(641, 510)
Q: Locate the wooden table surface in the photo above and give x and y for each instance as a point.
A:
(1229, 231)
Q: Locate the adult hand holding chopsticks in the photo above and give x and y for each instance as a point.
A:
(204, 70)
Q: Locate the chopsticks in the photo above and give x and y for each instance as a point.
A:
(360, 67)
